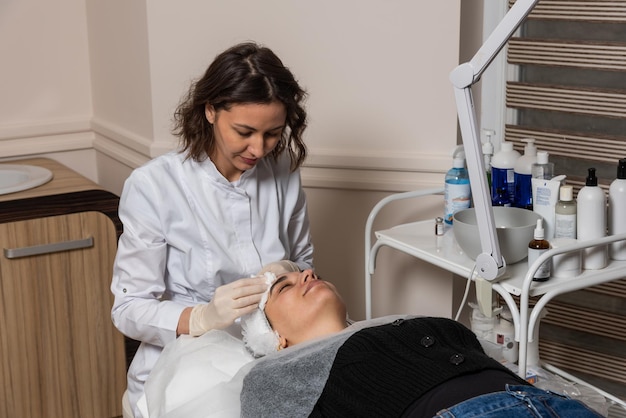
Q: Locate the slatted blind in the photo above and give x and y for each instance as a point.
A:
(570, 95)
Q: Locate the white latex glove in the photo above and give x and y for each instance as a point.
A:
(230, 302)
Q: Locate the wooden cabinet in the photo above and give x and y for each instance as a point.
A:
(60, 355)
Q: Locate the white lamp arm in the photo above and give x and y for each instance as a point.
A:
(489, 264)
(469, 73)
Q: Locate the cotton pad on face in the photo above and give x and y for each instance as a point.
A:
(258, 336)
(270, 278)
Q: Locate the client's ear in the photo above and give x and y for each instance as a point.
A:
(282, 342)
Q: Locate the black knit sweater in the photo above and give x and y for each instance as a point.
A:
(380, 371)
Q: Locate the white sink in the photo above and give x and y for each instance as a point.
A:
(18, 177)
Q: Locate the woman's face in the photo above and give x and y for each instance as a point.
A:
(244, 134)
(300, 307)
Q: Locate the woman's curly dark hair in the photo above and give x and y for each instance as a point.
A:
(244, 73)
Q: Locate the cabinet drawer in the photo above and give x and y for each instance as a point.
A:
(60, 355)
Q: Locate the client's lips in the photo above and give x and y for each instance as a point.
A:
(311, 285)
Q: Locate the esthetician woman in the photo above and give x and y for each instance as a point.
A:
(200, 221)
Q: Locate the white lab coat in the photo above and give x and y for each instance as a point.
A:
(187, 231)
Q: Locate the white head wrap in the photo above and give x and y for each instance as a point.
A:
(258, 336)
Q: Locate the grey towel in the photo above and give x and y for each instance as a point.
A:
(288, 383)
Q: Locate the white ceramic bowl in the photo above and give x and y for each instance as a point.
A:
(514, 228)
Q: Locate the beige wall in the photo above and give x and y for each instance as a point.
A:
(94, 83)
(45, 83)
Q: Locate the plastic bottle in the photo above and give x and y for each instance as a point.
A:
(536, 247)
(617, 211)
(487, 155)
(591, 221)
(503, 171)
(481, 325)
(505, 336)
(543, 168)
(565, 214)
(523, 175)
(457, 193)
(502, 198)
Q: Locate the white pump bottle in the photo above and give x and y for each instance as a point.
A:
(617, 214)
(591, 221)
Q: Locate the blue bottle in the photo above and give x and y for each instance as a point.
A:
(458, 194)
(523, 176)
(503, 172)
(501, 199)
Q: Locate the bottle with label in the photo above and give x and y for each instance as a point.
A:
(505, 336)
(542, 168)
(523, 174)
(457, 194)
(591, 221)
(536, 247)
(565, 214)
(439, 226)
(617, 211)
(502, 198)
(503, 171)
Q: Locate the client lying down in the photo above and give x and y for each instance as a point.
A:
(315, 364)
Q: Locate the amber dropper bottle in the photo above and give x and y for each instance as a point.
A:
(536, 247)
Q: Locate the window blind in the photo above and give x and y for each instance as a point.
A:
(569, 94)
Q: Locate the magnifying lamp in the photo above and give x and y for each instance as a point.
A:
(490, 264)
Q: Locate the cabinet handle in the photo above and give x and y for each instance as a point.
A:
(48, 248)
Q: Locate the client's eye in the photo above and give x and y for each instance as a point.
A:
(283, 287)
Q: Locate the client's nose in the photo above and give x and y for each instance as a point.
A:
(308, 275)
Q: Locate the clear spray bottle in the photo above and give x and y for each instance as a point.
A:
(565, 214)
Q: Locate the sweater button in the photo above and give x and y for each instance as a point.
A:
(427, 341)
(397, 322)
(457, 359)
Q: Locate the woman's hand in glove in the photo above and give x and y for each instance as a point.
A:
(230, 302)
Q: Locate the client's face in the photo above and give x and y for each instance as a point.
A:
(300, 307)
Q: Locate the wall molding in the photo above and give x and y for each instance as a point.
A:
(378, 160)
(119, 152)
(45, 137)
(381, 171)
(130, 140)
(324, 168)
(368, 180)
(44, 128)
